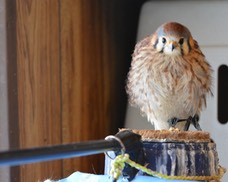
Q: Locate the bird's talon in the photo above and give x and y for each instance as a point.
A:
(172, 122)
(193, 120)
(187, 125)
(196, 118)
(198, 127)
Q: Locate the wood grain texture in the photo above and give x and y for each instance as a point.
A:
(38, 82)
(72, 61)
(93, 65)
(86, 82)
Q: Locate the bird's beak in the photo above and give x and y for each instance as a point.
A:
(172, 45)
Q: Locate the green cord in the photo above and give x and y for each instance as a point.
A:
(119, 162)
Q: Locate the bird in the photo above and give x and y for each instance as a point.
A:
(169, 78)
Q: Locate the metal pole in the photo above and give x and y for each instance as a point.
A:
(24, 156)
(19, 157)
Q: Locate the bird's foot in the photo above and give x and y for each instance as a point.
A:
(193, 120)
(190, 120)
(173, 121)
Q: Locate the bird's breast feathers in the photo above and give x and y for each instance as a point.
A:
(159, 80)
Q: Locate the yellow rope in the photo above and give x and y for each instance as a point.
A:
(119, 162)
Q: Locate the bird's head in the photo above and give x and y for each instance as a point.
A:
(173, 39)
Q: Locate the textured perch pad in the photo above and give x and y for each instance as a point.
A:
(172, 135)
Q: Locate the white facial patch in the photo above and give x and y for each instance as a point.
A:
(172, 51)
(159, 46)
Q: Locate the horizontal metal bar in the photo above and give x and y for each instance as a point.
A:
(54, 152)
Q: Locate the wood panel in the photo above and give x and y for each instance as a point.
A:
(86, 81)
(94, 63)
(38, 82)
(72, 60)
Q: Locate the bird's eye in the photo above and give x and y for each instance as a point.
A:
(181, 41)
(163, 40)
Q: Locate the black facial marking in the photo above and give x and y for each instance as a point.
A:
(161, 51)
(155, 45)
(181, 42)
(189, 46)
(182, 51)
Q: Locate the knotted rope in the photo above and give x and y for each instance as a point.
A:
(119, 162)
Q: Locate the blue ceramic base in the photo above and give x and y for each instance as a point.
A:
(177, 158)
(182, 159)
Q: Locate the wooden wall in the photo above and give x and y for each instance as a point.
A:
(70, 59)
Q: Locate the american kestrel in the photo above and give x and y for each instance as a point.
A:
(169, 77)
